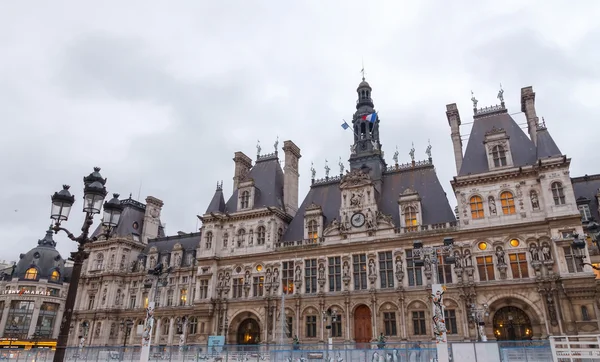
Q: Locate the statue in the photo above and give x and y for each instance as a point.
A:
(258, 148)
(534, 200)
(371, 267)
(321, 271)
(247, 278)
(492, 205)
(345, 225)
(535, 255)
(546, 252)
(276, 144)
(474, 100)
(298, 273)
(178, 260)
(327, 169)
(353, 148)
(428, 151)
(396, 156)
(268, 276)
(457, 260)
(399, 268)
(412, 152)
(346, 269)
(501, 94)
(341, 166)
(312, 170)
(370, 220)
(467, 258)
(500, 256)
(356, 199)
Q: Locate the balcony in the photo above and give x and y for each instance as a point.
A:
(432, 228)
(300, 244)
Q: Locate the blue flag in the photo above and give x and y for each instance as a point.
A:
(345, 125)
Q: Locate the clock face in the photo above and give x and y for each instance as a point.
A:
(358, 219)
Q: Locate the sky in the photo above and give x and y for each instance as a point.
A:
(161, 96)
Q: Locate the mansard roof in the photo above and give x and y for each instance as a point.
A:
(422, 179)
(131, 221)
(268, 181)
(587, 187)
(188, 242)
(217, 204)
(522, 149)
(546, 147)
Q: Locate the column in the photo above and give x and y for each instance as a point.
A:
(34, 318)
(4, 317)
(56, 328)
(402, 315)
(171, 331)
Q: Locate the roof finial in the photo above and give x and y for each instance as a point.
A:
(501, 95)
(363, 69)
(543, 122)
(474, 100)
(327, 169)
(412, 152)
(313, 172)
(276, 144)
(341, 166)
(428, 150)
(396, 156)
(258, 148)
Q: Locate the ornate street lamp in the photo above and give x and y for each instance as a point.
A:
(578, 246)
(477, 316)
(126, 327)
(329, 317)
(94, 193)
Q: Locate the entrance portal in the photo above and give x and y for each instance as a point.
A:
(248, 332)
(512, 324)
(363, 332)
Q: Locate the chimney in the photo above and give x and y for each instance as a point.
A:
(243, 164)
(151, 218)
(454, 121)
(290, 178)
(528, 106)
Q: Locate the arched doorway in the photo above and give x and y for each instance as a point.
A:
(363, 332)
(512, 324)
(248, 332)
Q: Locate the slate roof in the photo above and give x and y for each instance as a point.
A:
(268, 181)
(217, 204)
(546, 147)
(587, 187)
(424, 180)
(523, 150)
(44, 257)
(133, 213)
(188, 242)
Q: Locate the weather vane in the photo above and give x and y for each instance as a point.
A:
(327, 169)
(258, 148)
(474, 100)
(501, 94)
(341, 166)
(363, 69)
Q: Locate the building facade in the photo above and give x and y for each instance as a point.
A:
(264, 268)
(32, 297)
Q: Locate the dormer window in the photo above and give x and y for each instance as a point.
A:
(499, 156)
(558, 193)
(31, 273)
(410, 217)
(208, 240)
(585, 212)
(313, 229)
(245, 200)
(55, 276)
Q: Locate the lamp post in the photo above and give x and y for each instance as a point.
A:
(329, 317)
(428, 257)
(578, 246)
(477, 315)
(94, 193)
(126, 327)
(160, 276)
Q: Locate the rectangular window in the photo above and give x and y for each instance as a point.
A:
(415, 273)
(311, 326)
(183, 297)
(258, 286)
(184, 280)
(169, 298)
(157, 304)
(518, 265)
(573, 264)
(19, 319)
(203, 289)
(419, 323)
(132, 302)
(450, 316)
(287, 277)
(444, 271)
(585, 212)
(336, 326)
(389, 323)
(289, 327)
(238, 287)
(359, 262)
(335, 273)
(485, 267)
(386, 269)
(46, 318)
(92, 299)
(310, 276)
(145, 299)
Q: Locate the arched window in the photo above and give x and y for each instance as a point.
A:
(209, 237)
(499, 156)
(261, 234)
(99, 261)
(225, 239)
(508, 203)
(558, 193)
(245, 199)
(193, 325)
(313, 231)
(410, 217)
(241, 237)
(279, 234)
(31, 274)
(476, 207)
(54, 276)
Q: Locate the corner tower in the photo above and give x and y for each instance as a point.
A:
(366, 151)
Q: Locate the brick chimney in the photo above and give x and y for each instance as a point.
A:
(291, 176)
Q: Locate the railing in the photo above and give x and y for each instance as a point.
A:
(409, 165)
(447, 226)
(575, 348)
(305, 243)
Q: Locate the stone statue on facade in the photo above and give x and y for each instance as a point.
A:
(534, 200)
(474, 100)
(372, 267)
(341, 166)
(346, 269)
(276, 144)
(327, 169)
(395, 157)
(268, 276)
(467, 259)
(492, 205)
(321, 271)
(546, 252)
(371, 224)
(258, 148)
(399, 268)
(313, 172)
(500, 256)
(428, 151)
(457, 259)
(356, 199)
(298, 273)
(501, 94)
(535, 252)
(412, 152)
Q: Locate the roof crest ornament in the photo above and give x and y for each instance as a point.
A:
(220, 185)
(327, 169)
(428, 150)
(276, 144)
(412, 152)
(501, 94)
(474, 100)
(313, 172)
(341, 164)
(258, 148)
(395, 157)
(363, 69)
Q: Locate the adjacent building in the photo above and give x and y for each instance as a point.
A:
(264, 268)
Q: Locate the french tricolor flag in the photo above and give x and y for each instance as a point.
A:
(370, 117)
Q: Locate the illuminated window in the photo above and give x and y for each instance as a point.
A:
(558, 193)
(259, 268)
(313, 231)
(31, 274)
(476, 207)
(514, 243)
(55, 276)
(287, 277)
(482, 245)
(183, 297)
(508, 203)
(410, 217)
(518, 265)
(499, 156)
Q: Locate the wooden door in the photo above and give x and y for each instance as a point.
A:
(363, 329)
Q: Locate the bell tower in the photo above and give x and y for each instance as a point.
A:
(365, 152)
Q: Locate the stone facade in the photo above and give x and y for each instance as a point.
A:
(262, 269)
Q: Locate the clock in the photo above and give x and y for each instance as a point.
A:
(358, 219)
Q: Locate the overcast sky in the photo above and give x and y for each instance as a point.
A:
(163, 95)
